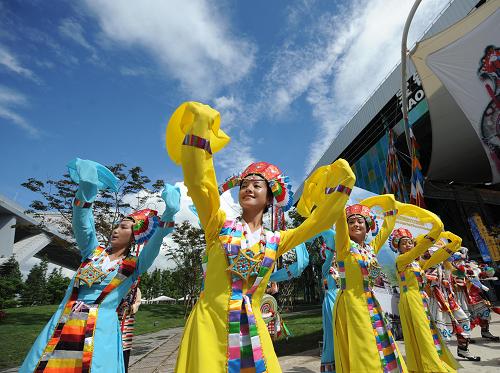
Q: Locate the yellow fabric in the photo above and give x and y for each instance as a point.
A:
(355, 346)
(421, 353)
(204, 343)
(442, 254)
(184, 117)
(422, 243)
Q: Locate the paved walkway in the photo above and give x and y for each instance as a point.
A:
(157, 353)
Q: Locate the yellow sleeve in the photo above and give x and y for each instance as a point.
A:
(331, 185)
(342, 239)
(193, 135)
(388, 204)
(424, 241)
(443, 253)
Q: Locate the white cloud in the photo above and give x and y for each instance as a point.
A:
(348, 55)
(191, 40)
(134, 71)
(9, 101)
(73, 30)
(10, 62)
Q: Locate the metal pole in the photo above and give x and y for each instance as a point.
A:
(404, 99)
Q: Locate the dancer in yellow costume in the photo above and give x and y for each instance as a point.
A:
(363, 341)
(425, 349)
(225, 331)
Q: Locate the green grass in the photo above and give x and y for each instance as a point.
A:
(154, 317)
(307, 331)
(19, 330)
(22, 325)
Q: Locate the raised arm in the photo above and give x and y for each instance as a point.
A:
(91, 176)
(329, 238)
(388, 204)
(441, 254)
(330, 193)
(424, 241)
(193, 135)
(172, 196)
(342, 239)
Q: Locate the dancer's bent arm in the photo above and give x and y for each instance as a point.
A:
(388, 204)
(331, 195)
(424, 241)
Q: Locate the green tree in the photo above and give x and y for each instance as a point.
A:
(57, 285)
(35, 288)
(187, 257)
(56, 196)
(11, 283)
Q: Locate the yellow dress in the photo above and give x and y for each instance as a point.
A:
(425, 349)
(362, 341)
(225, 331)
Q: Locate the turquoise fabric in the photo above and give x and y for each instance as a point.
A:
(327, 353)
(296, 268)
(108, 354)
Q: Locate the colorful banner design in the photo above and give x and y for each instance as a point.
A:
(393, 182)
(417, 179)
(469, 68)
(484, 241)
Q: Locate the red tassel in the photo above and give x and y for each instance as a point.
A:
(496, 310)
(457, 328)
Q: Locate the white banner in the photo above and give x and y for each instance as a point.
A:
(469, 68)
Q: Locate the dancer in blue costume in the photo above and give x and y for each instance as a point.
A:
(330, 287)
(84, 333)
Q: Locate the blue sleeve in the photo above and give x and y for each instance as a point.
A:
(83, 220)
(172, 197)
(152, 248)
(329, 237)
(295, 269)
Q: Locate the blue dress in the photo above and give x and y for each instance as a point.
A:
(330, 288)
(104, 347)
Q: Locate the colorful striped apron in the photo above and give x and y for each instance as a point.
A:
(244, 345)
(71, 346)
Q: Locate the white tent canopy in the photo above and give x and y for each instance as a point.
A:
(160, 299)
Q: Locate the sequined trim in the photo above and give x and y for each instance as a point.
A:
(390, 212)
(166, 224)
(197, 142)
(339, 188)
(81, 204)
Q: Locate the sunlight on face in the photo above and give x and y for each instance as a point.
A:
(122, 235)
(253, 193)
(405, 244)
(357, 228)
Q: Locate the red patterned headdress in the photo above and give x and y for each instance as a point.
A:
(397, 235)
(145, 223)
(279, 183)
(363, 211)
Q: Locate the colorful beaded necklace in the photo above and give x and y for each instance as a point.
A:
(92, 273)
(247, 263)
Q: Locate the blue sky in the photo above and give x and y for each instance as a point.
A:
(99, 79)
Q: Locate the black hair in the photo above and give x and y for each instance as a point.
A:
(269, 194)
